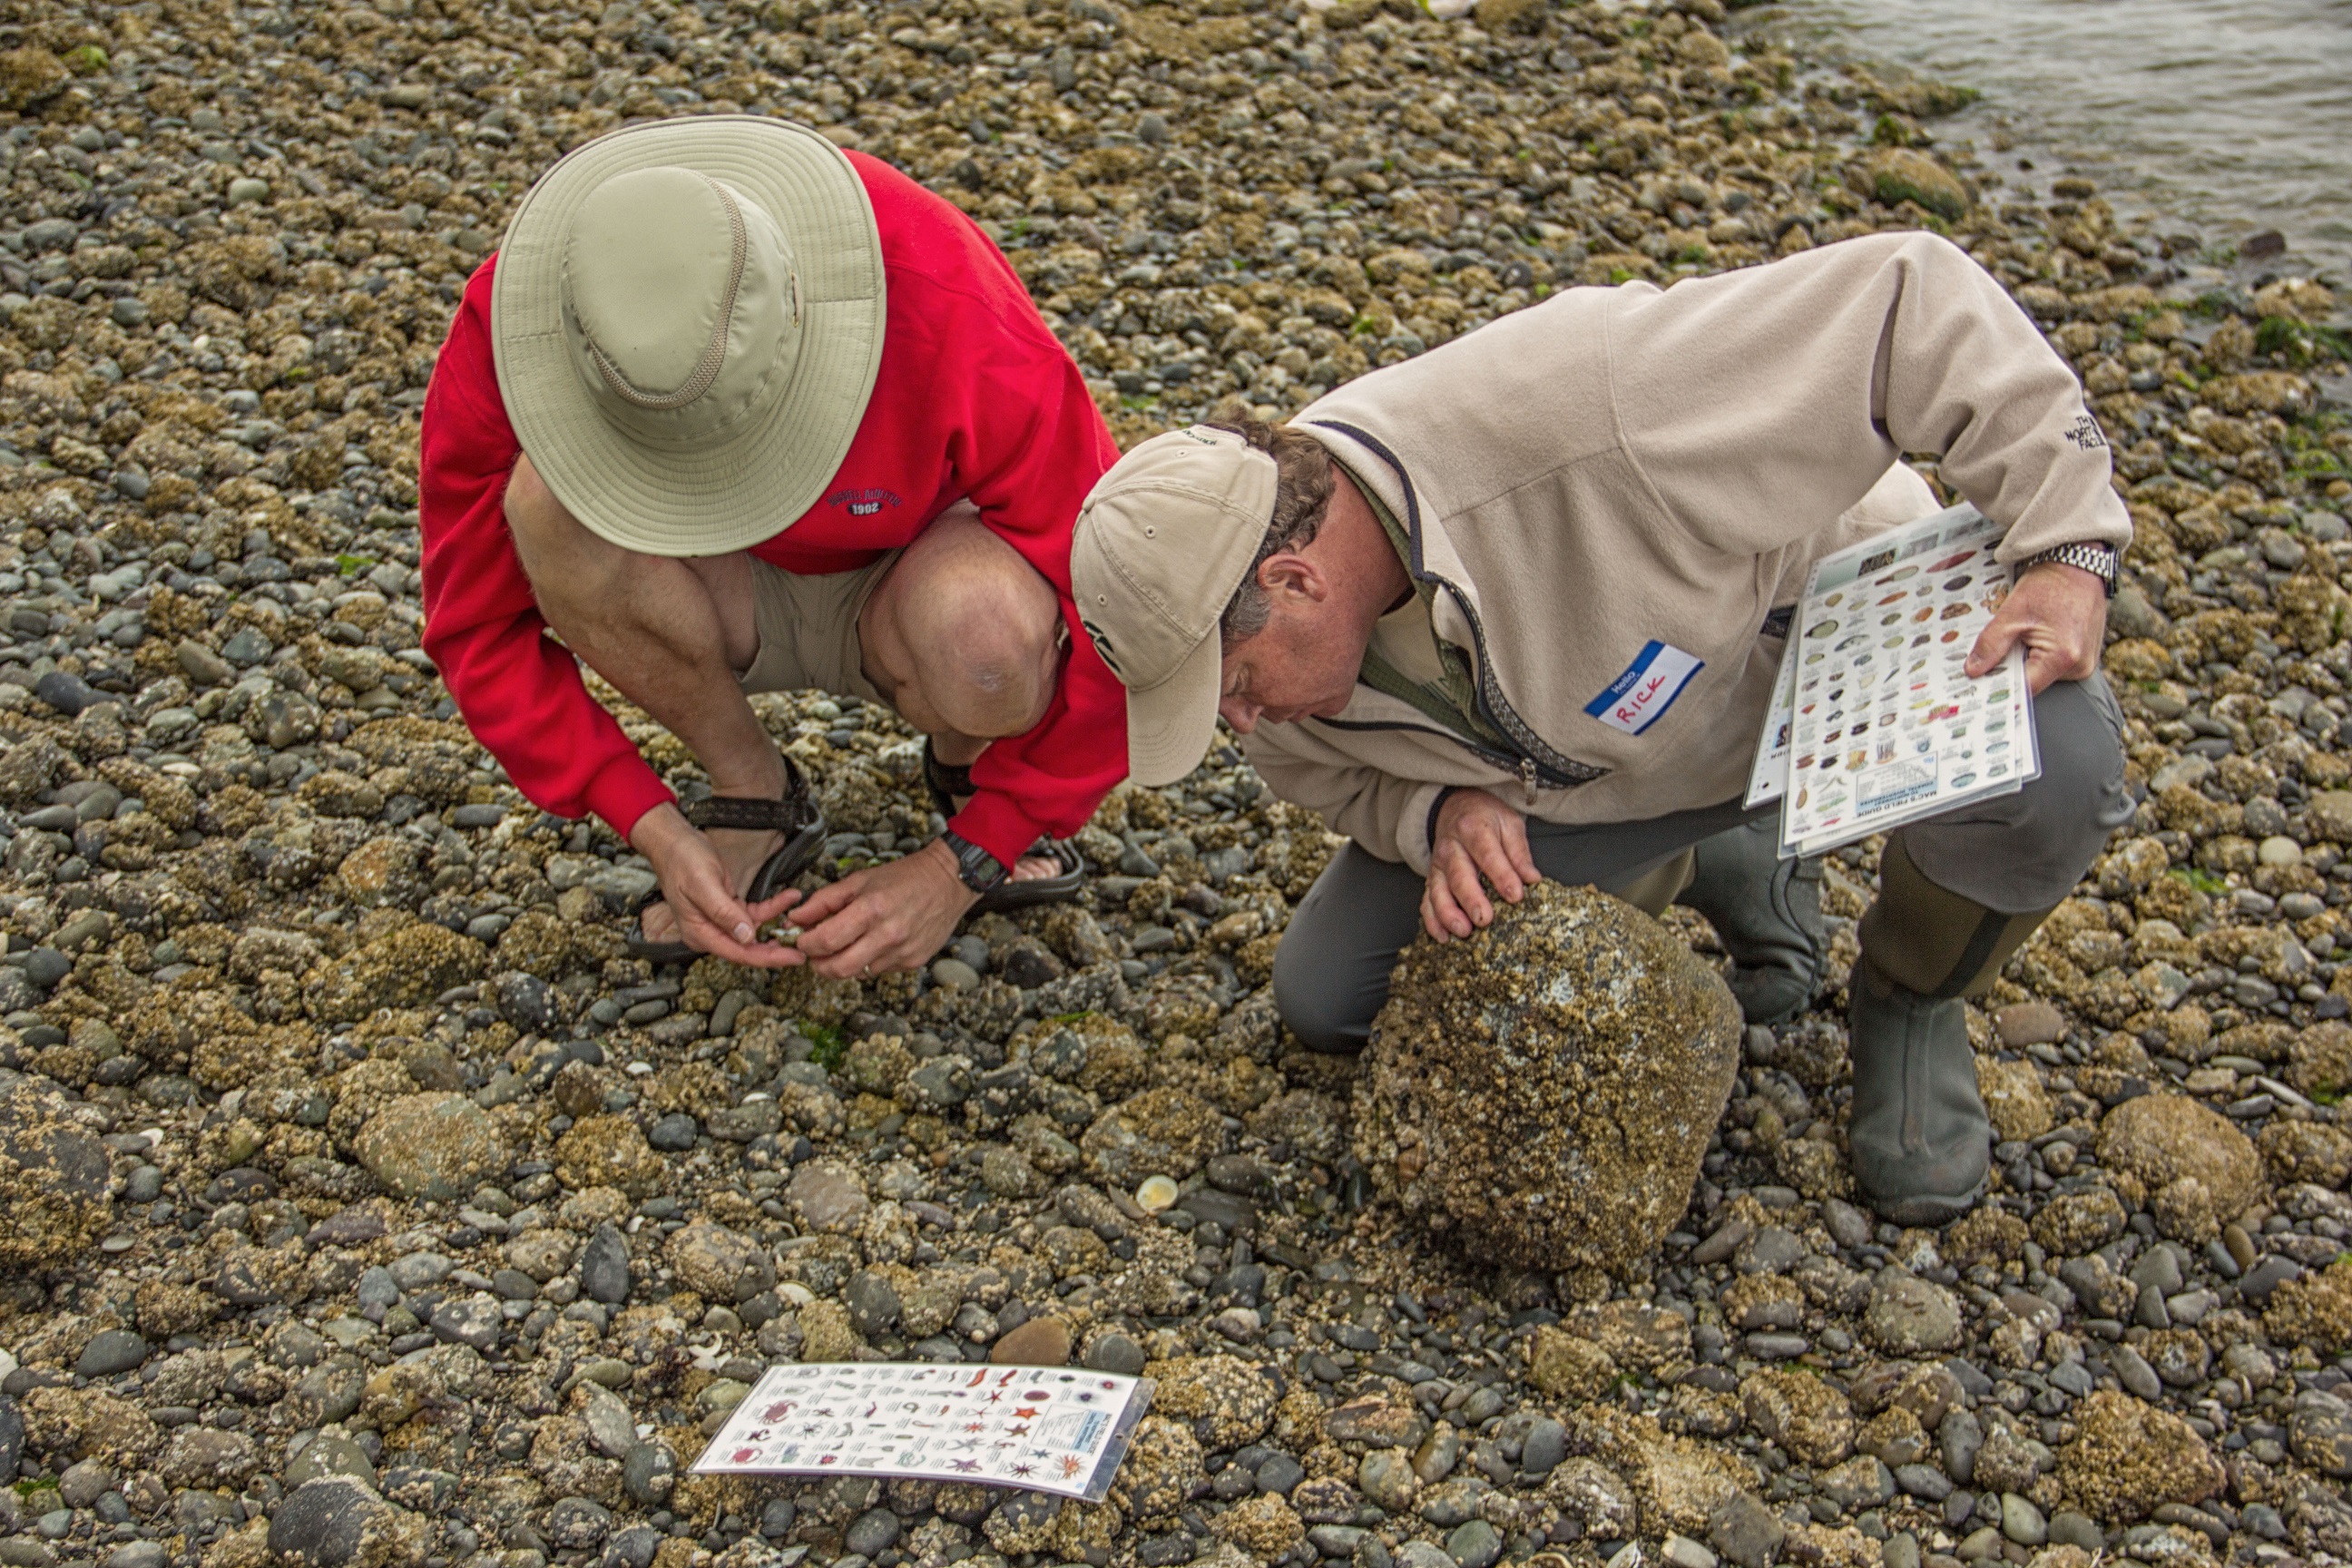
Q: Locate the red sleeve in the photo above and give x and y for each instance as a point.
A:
(1039, 447)
(519, 692)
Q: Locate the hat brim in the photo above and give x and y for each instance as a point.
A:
(1170, 726)
(734, 494)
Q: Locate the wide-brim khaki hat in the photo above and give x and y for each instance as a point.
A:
(688, 318)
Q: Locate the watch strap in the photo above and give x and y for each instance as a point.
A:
(975, 866)
(2099, 559)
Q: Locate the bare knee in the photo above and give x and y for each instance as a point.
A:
(568, 566)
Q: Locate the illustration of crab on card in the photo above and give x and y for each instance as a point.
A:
(1057, 1429)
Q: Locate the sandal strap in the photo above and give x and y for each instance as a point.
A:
(783, 814)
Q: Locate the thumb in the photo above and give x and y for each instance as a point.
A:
(1994, 645)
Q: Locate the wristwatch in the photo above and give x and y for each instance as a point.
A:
(975, 866)
(2099, 560)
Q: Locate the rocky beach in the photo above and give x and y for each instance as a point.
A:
(362, 1203)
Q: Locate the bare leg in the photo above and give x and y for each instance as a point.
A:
(671, 636)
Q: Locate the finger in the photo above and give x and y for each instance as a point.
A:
(769, 909)
(1522, 856)
(830, 900)
(835, 935)
(1493, 856)
(2042, 666)
(704, 937)
(1438, 914)
(869, 955)
(1993, 644)
(1462, 880)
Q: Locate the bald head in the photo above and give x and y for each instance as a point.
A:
(965, 630)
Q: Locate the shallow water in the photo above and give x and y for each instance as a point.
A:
(2223, 116)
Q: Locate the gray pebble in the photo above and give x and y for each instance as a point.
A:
(648, 1474)
(605, 1266)
(111, 1351)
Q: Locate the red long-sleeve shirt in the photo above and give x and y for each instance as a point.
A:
(974, 398)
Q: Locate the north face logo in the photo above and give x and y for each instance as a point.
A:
(2085, 434)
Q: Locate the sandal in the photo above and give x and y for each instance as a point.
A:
(946, 781)
(795, 812)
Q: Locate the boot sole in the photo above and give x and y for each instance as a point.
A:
(1927, 1209)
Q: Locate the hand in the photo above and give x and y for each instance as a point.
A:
(701, 892)
(2060, 614)
(891, 916)
(1477, 836)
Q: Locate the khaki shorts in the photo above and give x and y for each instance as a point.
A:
(808, 630)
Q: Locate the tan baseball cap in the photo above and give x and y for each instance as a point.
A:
(1162, 541)
(687, 322)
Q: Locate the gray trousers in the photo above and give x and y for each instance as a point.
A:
(2014, 854)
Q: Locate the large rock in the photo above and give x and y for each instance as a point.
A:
(2199, 1171)
(53, 1178)
(2128, 1459)
(434, 1146)
(1545, 1090)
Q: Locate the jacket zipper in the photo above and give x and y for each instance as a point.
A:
(1531, 774)
(1498, 711)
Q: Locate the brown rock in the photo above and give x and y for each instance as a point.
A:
(1040, 1341)
(2034, 1023)
(2200, 1171)
(2127, 1458)
(2314, 1311)
(2320, 1059)
(1569, 1366)
(1544, 1091)
(1809, 1419)
(2013, 1097)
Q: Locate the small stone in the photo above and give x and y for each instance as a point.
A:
(111, 1351)
(873, 1532)
(1745, 1532)
(605, 1266)
(649, 1473)
(246, 189)
(1682, 1552)
(1545, 1447)
(323, 1522)
(1909, 1316)
(1117, 1354)
(2022, 1521)
(2320, 1433)
(1476, 1544)
(1040, 1341)
(2023, 1023)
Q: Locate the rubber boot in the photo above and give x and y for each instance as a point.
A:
(1920, 1141)
(1767, 913)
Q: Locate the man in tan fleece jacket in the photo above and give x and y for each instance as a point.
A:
(1411, 598)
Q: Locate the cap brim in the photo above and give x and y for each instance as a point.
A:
(708, 500)
(1170, 726)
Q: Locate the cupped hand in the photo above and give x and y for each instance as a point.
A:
(1477, 837)
(700, 890)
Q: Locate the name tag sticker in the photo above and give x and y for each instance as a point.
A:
(1639, 697)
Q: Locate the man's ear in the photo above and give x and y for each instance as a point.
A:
(1290, 575)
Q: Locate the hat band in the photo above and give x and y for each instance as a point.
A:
(706, 371)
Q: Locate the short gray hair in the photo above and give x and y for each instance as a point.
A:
(1302, 495)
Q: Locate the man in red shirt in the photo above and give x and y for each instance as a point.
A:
(721, 336)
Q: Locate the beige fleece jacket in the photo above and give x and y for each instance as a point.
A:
(1619, 466)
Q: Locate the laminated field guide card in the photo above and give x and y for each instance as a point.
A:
(1060, 1430)
(1874, 720)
